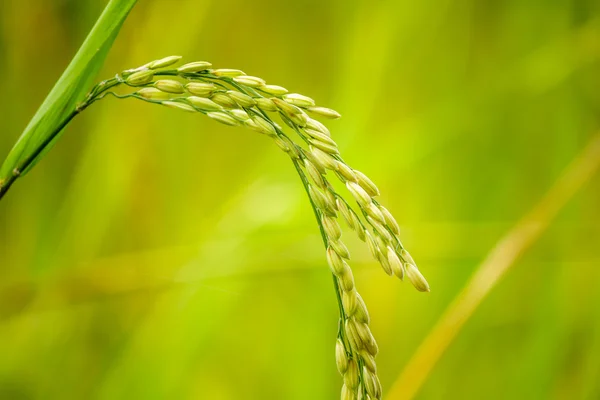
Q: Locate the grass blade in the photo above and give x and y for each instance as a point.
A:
(504, 256)
(59, 107)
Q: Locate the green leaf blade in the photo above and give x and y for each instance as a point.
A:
(68, 91)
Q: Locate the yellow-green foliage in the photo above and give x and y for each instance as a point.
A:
(157, 254)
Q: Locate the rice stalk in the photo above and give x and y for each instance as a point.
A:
(231, 97)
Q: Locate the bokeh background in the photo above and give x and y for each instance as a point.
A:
(155, 254)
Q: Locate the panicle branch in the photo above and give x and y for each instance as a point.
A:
(231, 97)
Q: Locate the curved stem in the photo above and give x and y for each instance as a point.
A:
(323, 236)
(61, 104)
(95, 94)
(29, 159)
(321, 229)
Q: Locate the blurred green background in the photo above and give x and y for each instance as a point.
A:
(155, 254)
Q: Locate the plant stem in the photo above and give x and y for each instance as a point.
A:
(497, 263)
(316, 212)
(62, 103)
(95, 93)
(16, 172)
(323, 236)
(336, 284)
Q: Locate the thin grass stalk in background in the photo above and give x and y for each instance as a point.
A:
(502, 257)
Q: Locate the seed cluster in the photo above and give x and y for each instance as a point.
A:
(231, 97)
